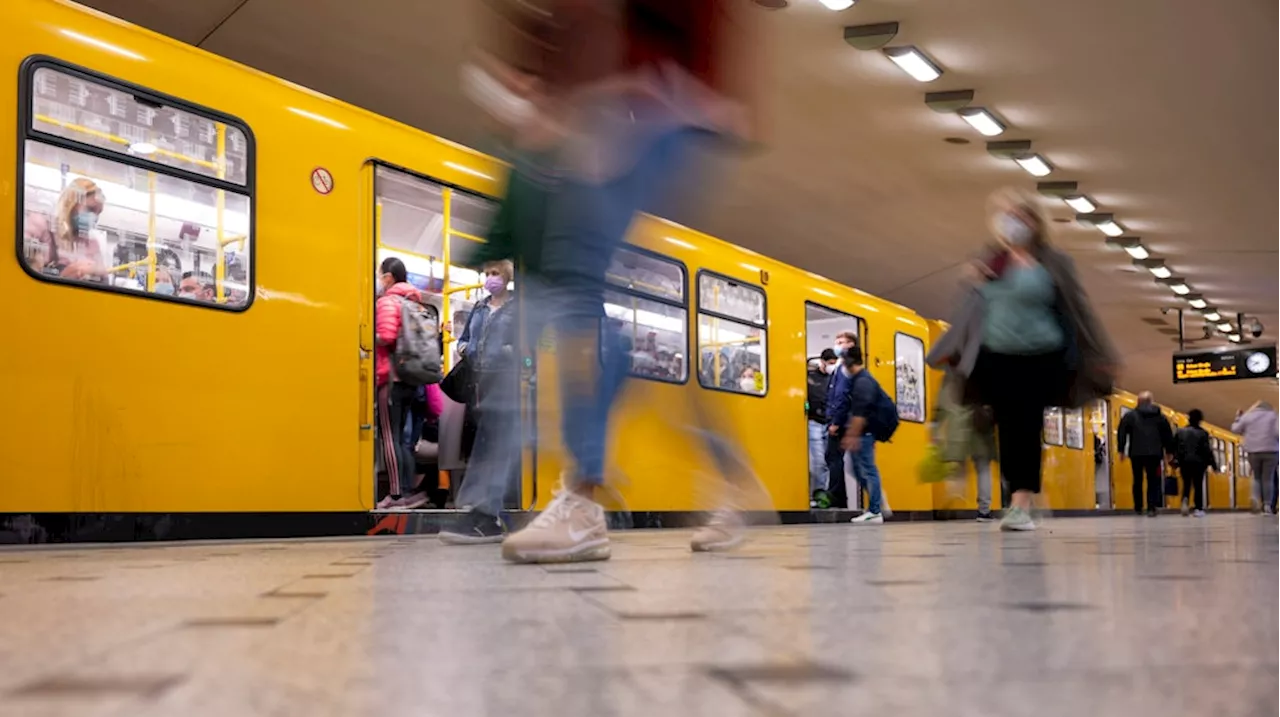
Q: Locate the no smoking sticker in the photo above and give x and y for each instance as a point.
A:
(321, 180)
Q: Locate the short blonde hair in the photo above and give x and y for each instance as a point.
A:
(504, 267)
(1015, 198)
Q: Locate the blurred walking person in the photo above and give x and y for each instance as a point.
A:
(1145, 437)
(1024, 338)
(610, 98)
(1257, 424)
(1193, 451)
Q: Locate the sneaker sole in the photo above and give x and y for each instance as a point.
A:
(718, 546)
(1019, 528)
(581, 553)
(464, 539)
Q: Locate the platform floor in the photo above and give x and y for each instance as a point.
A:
(1086, 618)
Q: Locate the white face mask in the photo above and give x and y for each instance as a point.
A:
(747, 384)
(1015, 230)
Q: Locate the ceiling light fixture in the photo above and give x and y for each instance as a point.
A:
(982, 120)
(1235, 338)
(1177, 285)
(914, 63)
(1105, 223)
(837, 4)
(1196, 301)
(1110, 228)
(1211, 314)
(1035, 165)
(1081, 203)
(1132, 245)
(1225, 326)
(143, 148)
(1155, 266)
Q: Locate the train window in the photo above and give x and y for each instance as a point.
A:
(908, 354)
(125, 191)
(732, 348)
(411, 225)
(87, 111)
(1053, 426)
(1073, 418)
(647, 309)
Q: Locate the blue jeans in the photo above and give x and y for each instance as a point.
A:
(865, 470)
(819, 473)
(585, 224)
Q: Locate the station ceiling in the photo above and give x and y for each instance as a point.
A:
(1164, 111)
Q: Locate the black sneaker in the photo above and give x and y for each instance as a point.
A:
(473, 528)
(986, 517)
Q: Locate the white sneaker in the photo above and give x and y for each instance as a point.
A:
(1198, 513)
(388, 503)
(571, 529)
(724, 531)
(870, 518)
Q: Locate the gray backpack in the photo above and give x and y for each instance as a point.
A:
(416, 360)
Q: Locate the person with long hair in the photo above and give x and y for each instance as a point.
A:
(1025, 338)
(75, 252)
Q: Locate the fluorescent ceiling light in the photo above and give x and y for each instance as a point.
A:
(983, 121)
(1081, 204)
(1160, 272)
(1035, 165)
(102, 45)
(1212, 316)
(1180, 289)
(1110, 228)
(1137, 251)
(1225, 326)
(143, 148)
(1198, 303)
(914, 63)
(837, 4)
(1234, 337)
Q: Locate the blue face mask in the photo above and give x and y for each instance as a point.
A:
(164, 289)
(84, 222)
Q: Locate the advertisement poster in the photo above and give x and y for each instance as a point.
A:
(1074, 419)
(909, 368)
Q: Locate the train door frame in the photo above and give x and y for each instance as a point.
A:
(863, 331)
(1104, 467)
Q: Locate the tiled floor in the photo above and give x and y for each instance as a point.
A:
(1086, 618)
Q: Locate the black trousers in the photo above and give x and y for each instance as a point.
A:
(835, 469)
(1193, 478)
(1150, 465)
(1018, 388)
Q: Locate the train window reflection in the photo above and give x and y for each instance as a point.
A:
(653, 334)
(731, 336)
(730, 299)
(68, 105)
(647, 274)
(97, 222)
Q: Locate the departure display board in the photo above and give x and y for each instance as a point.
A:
(1251, 362)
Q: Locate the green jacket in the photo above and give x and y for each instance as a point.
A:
(961, 431)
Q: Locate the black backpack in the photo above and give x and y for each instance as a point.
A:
(882, 421)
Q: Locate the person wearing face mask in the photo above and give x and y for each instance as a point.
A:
(747, 380)
(393, 397)
(196, 287)
(164, 282)
(76, 252)
(490, 341)
(1025, 338)
(838, 387)
(820, 370)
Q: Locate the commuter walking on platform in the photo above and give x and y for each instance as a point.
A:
(1024, 338)
(1258, 426)
(622, 92)
(1193, 452)
(820, 370)
(1145, 432)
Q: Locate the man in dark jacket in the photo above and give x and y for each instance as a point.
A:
(820, 370)
(1147, 437)
(1193, 451)
(839, 385)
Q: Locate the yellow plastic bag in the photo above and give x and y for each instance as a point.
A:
(932, 468)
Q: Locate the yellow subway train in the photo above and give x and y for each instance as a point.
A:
(190, 302)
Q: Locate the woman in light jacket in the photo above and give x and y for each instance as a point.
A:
(1025, 338)
(1257, 424)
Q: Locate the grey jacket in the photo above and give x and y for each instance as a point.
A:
(1259, 430)
(1091, 358)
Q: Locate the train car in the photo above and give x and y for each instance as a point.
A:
(193, 276)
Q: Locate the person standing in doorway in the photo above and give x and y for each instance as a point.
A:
(820, 370)
(1146, 435)
(1194, 454)
(839, 384)
(1257, 424)
(856, 438)
(393, 397)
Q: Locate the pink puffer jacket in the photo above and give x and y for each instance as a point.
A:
(386, 327)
